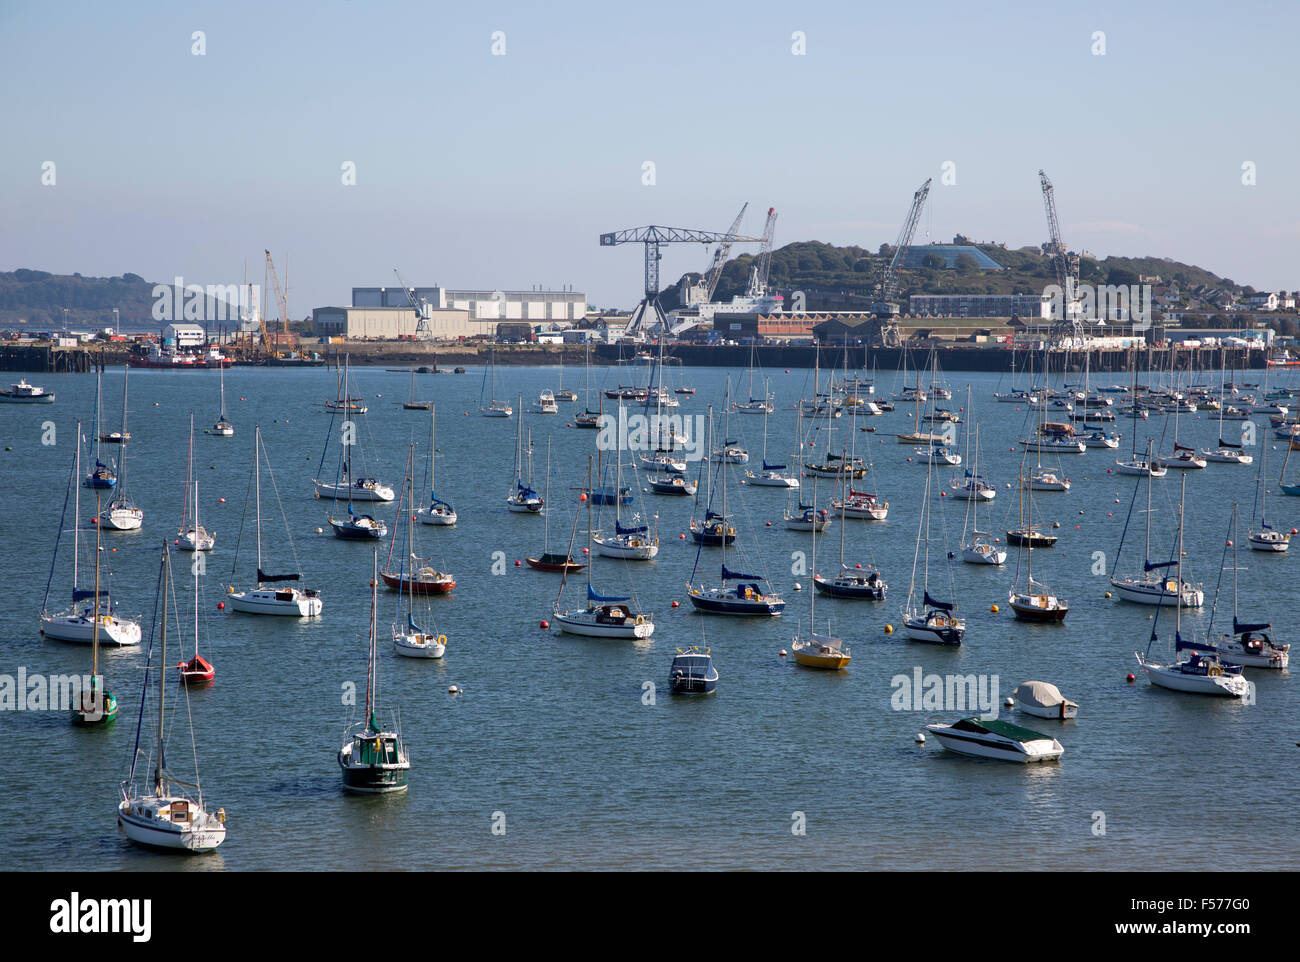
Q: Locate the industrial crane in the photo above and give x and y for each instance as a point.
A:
(422, 310)
(283, 304)
(652, 237)
(702, 291)
(763, 263)
(885, 309)
(1067, 268)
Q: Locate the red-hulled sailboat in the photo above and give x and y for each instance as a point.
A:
(415, 577)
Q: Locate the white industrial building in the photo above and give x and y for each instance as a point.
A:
(183, 336)
(538, 306)
(391, 323)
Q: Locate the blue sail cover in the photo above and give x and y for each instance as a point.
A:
(411, 626)
(623, 529)
(714, 516)
(1239, 628)
(435, 501)
(81, 594)
(941, 605)
(1152, 566)
(773, 467)
(592, 596)
(524, 490)
(729, 575)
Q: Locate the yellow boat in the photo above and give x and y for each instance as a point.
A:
(821, 651)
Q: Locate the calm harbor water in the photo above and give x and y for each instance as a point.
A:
(552, 731)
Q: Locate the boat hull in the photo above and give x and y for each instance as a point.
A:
(977, 747)
(294, 604)
(580, 624)
(80, 629)
(419, 586)
(157, 833)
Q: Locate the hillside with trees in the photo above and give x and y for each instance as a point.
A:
(848, 277)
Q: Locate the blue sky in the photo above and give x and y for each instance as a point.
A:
(476, 170)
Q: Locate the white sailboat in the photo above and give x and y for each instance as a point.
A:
(978, 547)
(163, 814)
(522, 499)
(122, 513)
(605, 616)
(280, 598)
(1201, 674)
(439, 512)
(91, 624)
(933, 620)
(634, 542)
(1250, 644)
(1265, 537)
(223, 427)
(1152, 587)
(192, 535)
(773, 475)
(411, 640)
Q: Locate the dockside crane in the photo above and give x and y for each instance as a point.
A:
(423, 312)
(281, 301)
(762, 269)
(885, 309)
(702, 291)
(649, 316)
(1067, 266)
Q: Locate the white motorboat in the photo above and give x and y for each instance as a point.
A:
(1227, 455)
(663, 462)
(24, 393)
(771, 477)
(996, 739)
(546, 403)
(1044, 700)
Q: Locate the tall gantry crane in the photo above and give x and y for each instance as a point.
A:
(886, 310)
(423, 311)
(1067, 268)
(648, 314)
(762, 269)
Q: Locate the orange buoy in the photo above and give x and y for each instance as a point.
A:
(674, 604)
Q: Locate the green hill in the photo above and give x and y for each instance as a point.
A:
(849, 277)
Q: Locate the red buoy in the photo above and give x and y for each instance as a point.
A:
(674, 604)
(545, 626)
(1130, 677)
(517, 564)
(221, 606)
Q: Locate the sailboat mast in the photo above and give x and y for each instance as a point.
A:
(1178, 600)
(257, 475)
(76, 512)
(94, 631)
(371, 678)
(162, 672)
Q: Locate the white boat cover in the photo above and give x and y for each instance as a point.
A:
(1039, 694)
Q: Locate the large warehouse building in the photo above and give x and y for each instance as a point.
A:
(537, 306)
(390, 323)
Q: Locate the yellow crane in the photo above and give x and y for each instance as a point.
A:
(283, 304)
